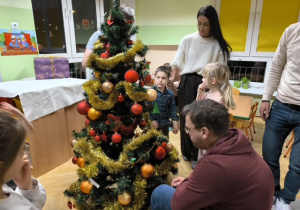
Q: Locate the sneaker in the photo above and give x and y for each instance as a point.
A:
(281, 205)
(185, 158)
(194, 163)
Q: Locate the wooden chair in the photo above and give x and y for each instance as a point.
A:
(235, 91)
(290, 141)
(247, 124)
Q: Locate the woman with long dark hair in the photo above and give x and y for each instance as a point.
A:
(195, 50)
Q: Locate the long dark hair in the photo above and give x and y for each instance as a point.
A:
(215, 28)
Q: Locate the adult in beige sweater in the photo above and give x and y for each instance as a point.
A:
(284, 116)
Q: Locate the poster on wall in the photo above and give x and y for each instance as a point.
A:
(17, 42)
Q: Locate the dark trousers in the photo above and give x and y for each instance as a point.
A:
(187, 93)
(164, 130)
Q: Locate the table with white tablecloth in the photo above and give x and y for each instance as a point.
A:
(51, 107)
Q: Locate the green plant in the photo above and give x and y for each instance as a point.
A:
(244, 83)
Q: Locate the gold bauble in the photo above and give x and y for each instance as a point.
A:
(107, 87)
(125, 198)
(151, 95)
(94, 114)
(169, 147)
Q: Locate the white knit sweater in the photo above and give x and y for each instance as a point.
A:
(285, 70)
(194, 52)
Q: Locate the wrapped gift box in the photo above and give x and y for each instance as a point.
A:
(51, 68)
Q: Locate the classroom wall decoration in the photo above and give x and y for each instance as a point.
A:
(17, 42)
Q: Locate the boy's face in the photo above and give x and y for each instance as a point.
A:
(161, 79)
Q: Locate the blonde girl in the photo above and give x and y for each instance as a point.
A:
(216, 79)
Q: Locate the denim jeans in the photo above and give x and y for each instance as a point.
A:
(282, 120)
(161, 197)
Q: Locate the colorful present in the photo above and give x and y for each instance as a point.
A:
(51, 68)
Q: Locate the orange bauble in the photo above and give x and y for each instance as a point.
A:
(107, 87)
(136, 109)
(80, 162)
(125, 198)
(131, 76)
(105, 55)
(94, 114)
(86, 187)
(151, 95)
(97, 74)
(147, 171)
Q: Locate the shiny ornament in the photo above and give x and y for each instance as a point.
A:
(160, 153)
(83, 107)
(148, 78)
(121, 98)
(175, 165)
(87, 122)
(147, 171)
(105, 55)
(92, 133)
(94, 114)
(164, 144)
(137, 109)
(72, 143)
(104, 137)
(97, 74)
(142, 84)
(86, 187)
(74, 160)
(116, 138)
(142, 123)
(97, 138)
(107, 47)
(169, 147)
(131, 76)
(80, 162)
(151, 95)
(129, 42)
(125, 198)
(107, 87)
(70, 204)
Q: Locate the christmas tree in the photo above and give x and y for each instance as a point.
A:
(121, 159)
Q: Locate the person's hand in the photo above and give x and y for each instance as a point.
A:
(264, 110)
(175, 127)
(201, 87)
(23, 178)
(177, 181)
(155, 124)
(17, 113)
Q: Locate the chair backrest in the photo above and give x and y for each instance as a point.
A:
(253, 111)
(235, 91)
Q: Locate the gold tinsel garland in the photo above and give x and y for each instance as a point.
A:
(111, 62)
(92, 87)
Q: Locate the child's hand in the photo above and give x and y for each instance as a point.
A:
(155, 124)
(201, 87)
(175, 127)
(23, 178)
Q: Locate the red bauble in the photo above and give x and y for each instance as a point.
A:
(121, 98)
(136, 109)
(83, 108)
(74, 160)
(142, 123)
(148, 78)
(105, 55)
(92, 133)
(70, 204)
(164, 144)
(129, 42)
(160, 153)
(116, 138)
(131, 76)
(142, 84)
(87, 122)
(97, 138)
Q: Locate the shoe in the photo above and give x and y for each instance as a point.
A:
(185, 158)
(194, 163)
(281, 205)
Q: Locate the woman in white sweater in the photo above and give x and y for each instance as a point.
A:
(195, 50)
(14, 164)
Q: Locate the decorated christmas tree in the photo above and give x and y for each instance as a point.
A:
(121, 159)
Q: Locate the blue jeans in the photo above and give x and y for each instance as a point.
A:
(282, 120)
(161, 197)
